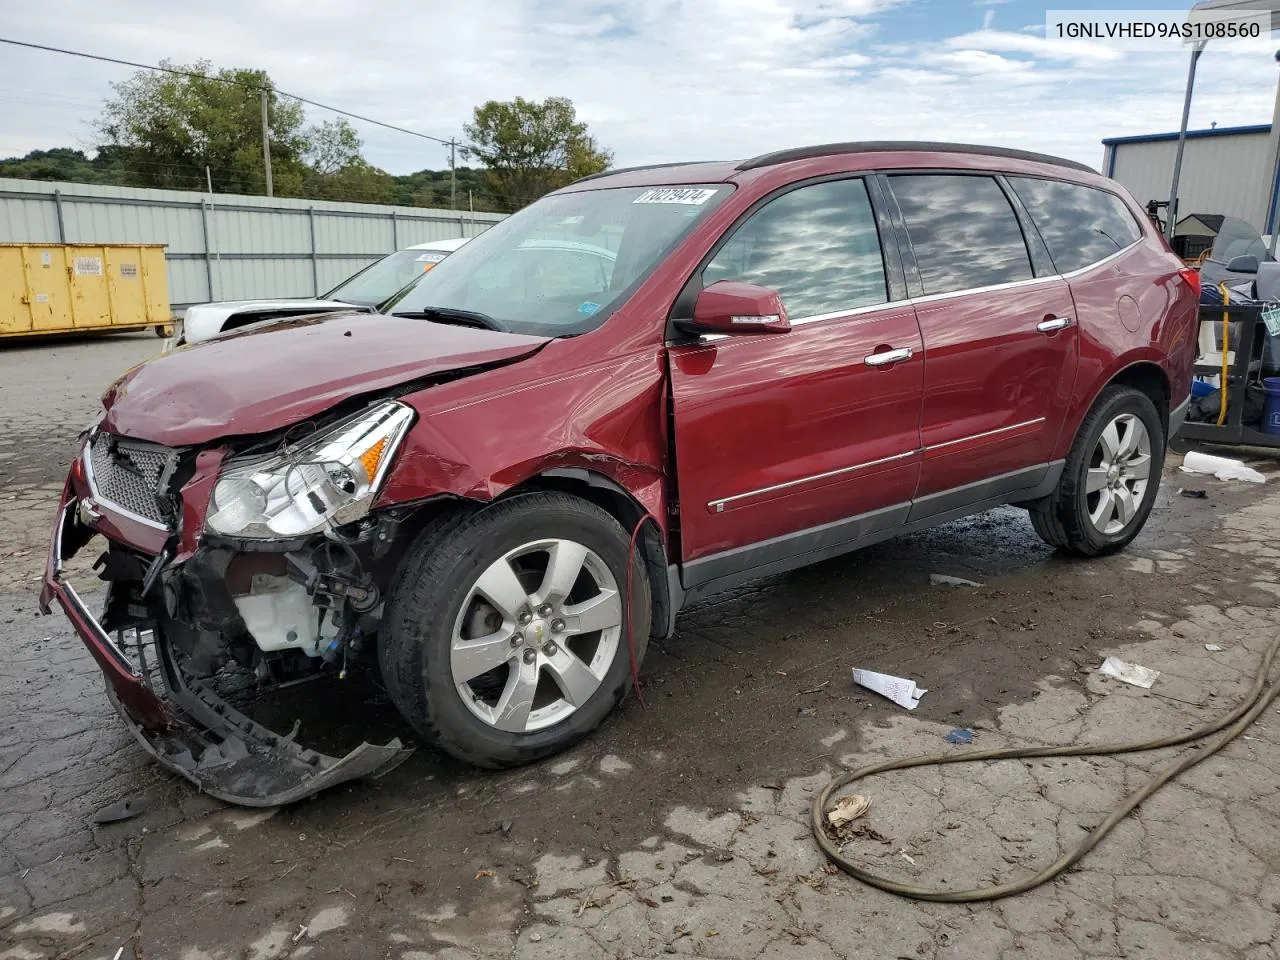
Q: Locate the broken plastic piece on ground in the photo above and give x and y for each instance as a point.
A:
(1212, 647)
(848, 809)
(120, 810)
(960, 735)
(1129, 672)
(1224, 468)
(942, 579)
(903, 692)
(1194, 494)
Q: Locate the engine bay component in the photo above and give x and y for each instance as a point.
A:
(280, 615)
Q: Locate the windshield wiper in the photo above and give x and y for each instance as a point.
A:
(461, 318)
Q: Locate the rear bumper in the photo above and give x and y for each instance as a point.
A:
(181, 721)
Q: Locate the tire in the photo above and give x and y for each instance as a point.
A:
(437, 616)
(1066, 519)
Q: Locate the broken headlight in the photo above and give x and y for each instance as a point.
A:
(326, 480)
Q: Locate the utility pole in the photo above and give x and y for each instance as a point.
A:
(1196, 50)
(266, 141)
(453, 174)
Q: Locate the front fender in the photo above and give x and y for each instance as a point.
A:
(608, 418)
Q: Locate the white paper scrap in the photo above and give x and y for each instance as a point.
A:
(1224, 468)
(903, 692)
(1212, 647)
(1129, 672)
(942, 579)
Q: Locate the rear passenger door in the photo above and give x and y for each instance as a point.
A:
(1000, 338)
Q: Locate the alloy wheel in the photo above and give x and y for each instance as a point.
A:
(536, 635)
(1119, 471)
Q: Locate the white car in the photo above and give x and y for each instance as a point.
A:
(366, 289)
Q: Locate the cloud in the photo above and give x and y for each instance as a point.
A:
(987, 18)
(660, 81)
(1005, 41)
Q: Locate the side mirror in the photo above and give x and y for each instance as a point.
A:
(1245, 264)
(729, 306)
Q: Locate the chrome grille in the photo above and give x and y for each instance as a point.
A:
(128, 475)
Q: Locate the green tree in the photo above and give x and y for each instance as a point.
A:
(168, 128)
(337, 171)
(530, 148)
(64, 163)
(331, 146)
(165, 128)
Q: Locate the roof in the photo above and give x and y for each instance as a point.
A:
(663, 174)
(1212, 221)
(1206, 10)
(1191, 134)
(905, 146)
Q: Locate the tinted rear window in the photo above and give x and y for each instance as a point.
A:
(1080, 225)
(963, 231)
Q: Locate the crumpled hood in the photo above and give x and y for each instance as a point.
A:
(267, 378)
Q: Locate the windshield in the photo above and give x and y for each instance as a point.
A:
(1237, 239)
(384, 277)
(562, 265)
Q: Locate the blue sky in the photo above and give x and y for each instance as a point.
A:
(656, 81)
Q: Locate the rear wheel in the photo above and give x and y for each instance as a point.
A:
(1110, 479)
(505, 638)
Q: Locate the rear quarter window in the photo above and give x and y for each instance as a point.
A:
(1080, 225)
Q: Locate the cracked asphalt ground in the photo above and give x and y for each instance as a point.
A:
(681, 828)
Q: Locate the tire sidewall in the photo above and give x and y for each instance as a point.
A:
(1139, 405)
(447, 713)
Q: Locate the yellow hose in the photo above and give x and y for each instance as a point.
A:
(1226, 336)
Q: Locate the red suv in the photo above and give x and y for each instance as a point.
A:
(646, 387)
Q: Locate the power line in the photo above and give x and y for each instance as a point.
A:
(200, 76)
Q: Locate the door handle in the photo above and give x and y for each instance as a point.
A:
(888, 356)
(1053, 324)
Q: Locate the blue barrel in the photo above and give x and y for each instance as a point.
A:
(1271, 411)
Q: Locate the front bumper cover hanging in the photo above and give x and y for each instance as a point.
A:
(183, 723)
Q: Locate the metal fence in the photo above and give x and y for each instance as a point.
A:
(226, 247)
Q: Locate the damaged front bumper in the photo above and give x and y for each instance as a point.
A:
(174, 714)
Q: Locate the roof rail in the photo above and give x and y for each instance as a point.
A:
(881, 146)
(643, 166)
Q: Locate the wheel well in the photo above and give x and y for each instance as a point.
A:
(1151, 380)
(619, 504)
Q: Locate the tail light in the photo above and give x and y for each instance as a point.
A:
(1193, 279)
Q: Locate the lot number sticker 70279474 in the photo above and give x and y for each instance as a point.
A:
(690, 195)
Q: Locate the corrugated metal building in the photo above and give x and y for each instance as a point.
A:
(225, 247)
(1225, 170)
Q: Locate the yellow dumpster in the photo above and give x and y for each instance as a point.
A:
(82, 287)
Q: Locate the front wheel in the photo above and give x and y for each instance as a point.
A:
(1110, 479)
(504, 639)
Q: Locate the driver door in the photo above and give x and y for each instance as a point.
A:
(795, 445)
